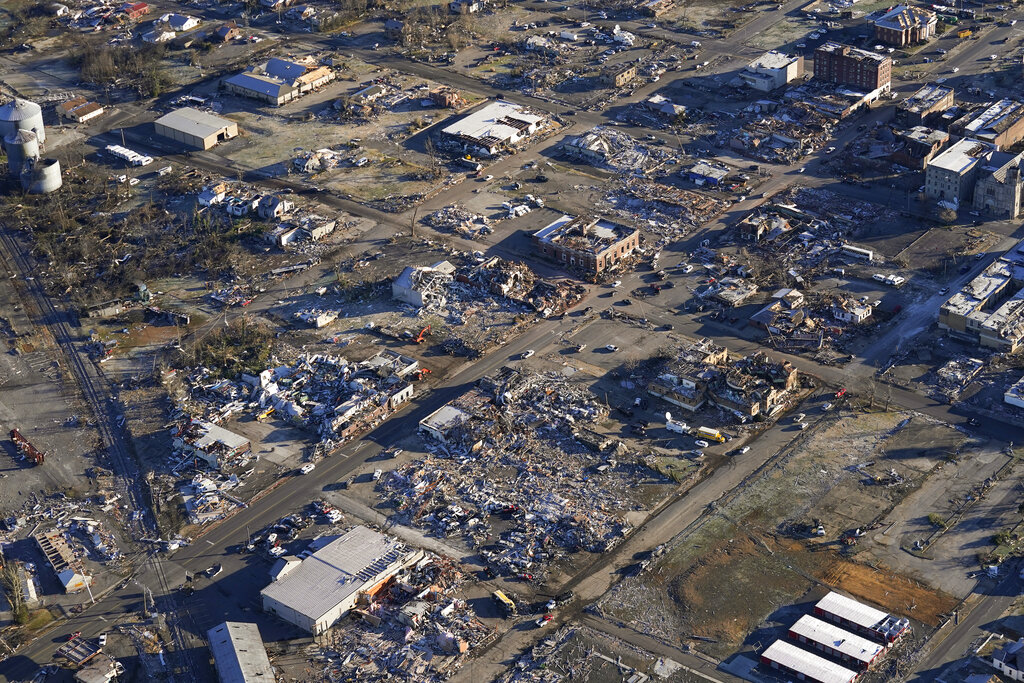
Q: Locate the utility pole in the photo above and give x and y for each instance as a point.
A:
(412, 223)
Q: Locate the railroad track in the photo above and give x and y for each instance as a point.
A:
(106, 417)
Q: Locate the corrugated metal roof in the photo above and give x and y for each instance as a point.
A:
(239, 654)
(851, 610)
(850, 644)
(194, 122)
(807, 663)
(265, 85)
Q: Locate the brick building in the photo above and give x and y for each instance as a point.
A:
(904, 25)
(593, 245)
(845, 65)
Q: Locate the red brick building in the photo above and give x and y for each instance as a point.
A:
(593, 245)
(845, 65)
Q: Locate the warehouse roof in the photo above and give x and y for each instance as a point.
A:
(497, 121)
(194, 122)
(842, 641)
(856, 612)
(809, 664)
(266, 85)
(238, 653)
(961, 156)
(337, 571)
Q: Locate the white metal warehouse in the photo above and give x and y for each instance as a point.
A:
(805, 665)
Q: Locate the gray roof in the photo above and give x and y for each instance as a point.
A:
(266, 85)
(19, 110)
(238, 653)
(283, 69)
(194, 122)
(334, 573)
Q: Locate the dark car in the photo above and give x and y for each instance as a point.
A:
(627, 302)
(565, 597)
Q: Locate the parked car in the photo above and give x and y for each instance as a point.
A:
(611, 347)
(307, 468)
(701, 443)
(527, 354)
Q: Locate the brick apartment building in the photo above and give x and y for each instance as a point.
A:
(592, 245)
(846, 65)
(904, 25)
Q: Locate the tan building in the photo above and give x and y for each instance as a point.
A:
(618, 76)
(998, 190)
(951, 175)
(194, 128)
(989, 310)
(592, 245)
(904, 25)
(930, 99)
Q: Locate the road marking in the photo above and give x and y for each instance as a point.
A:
(209, 541)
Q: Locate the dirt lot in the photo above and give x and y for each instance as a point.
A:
(766, 529)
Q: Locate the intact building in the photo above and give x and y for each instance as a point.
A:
(904, 25)
(806, 666)
(930, 99)
(846, 65)
(327, 585)
(998, 190)
(238, 653)
(861, 618)
(951, 175)
(494, 127)
(772, 70)
(593, 245)
(259, 87)
(195, 128)
(989, 310)
(855, 651)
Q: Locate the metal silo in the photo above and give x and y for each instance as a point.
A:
(41, 176)
(20, 145)
(21, 114)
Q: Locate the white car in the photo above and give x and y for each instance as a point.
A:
(307, 468)
(687, 268)
(277, 552)
(377, 474)
(993, 57)
(744, 450)
(611, 347)
(801, 169)
(102, 639)
(800, 417)
(827, 407)
(701, 443)
(527, 354)
(617, 283)
(829, 150)
(876, 303)
(956, 69)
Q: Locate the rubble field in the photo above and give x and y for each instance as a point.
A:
(581, 653)
(492, 485)
(798, 525)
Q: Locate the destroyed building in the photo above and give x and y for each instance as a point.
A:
(592, 245)
(423, 286)
(929, 100)
(219, 448)
(989, 309)
(701, 373)
(322, 589)
(493, 128)
(1000, 124)
(63, 561)
(918, 146)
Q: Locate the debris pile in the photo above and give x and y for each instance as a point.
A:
(490, 476)
(415, 628)
(458, 221)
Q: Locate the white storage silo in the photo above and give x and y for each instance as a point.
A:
(20, 145)
(21, 114)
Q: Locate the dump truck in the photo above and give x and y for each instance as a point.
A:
(710, 434)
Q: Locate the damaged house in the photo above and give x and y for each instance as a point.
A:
(219, 448)
(423, 286)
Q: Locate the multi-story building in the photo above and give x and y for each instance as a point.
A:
(592, 245)
(846, 65)
(918, 146)
(772, 70)
(1000, 124)
(904, 25)
(999, 187)
(951, 175)
(930, 99)
(619, 75)
(989, 310)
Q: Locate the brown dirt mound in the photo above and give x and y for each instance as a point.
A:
(893, 592)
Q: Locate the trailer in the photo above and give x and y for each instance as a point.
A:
(27, 450)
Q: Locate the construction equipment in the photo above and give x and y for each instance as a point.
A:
(265, 414)
(421, 373)
(27, 450)
(424, 333)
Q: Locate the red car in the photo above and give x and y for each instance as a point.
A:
(841, 393)
(525, 577)
(544, 620)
